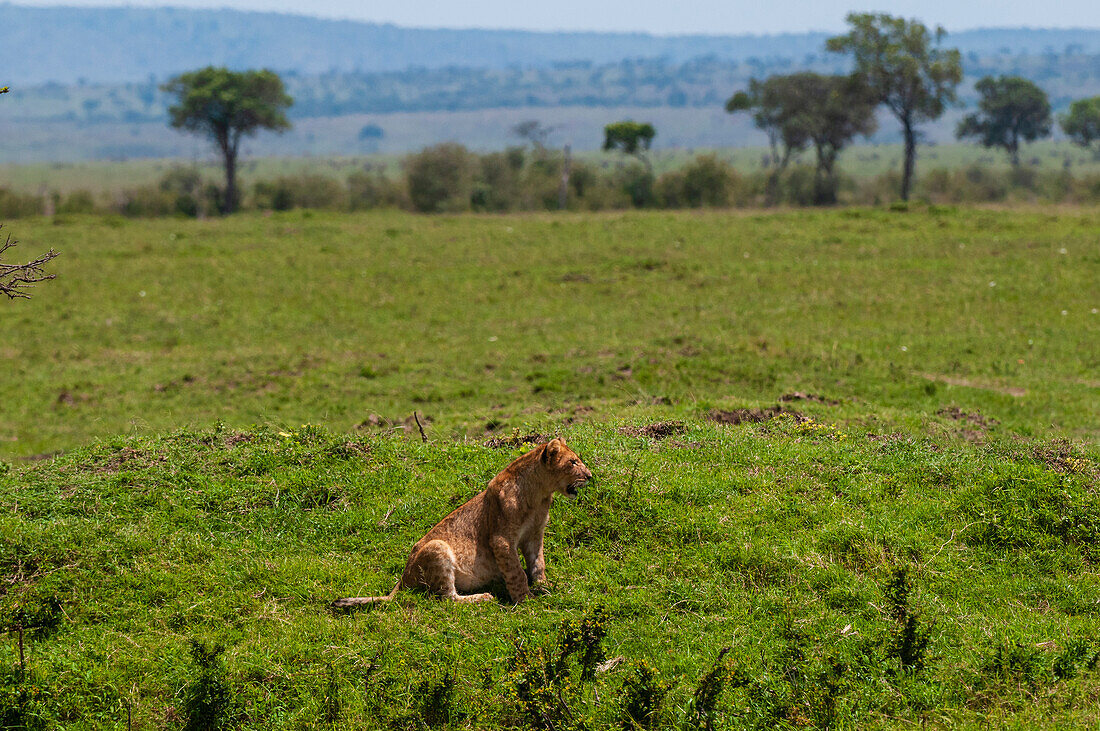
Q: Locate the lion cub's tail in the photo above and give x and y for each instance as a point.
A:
(352, 602)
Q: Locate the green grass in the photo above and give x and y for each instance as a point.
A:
(779, 541)
(945, 481)
(471, 321)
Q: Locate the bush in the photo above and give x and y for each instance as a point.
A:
(146, 202)
(497, 187)
(367, 190)
(637, 183)
(193, 197)
(441, 178)
(302, 191)
(79, 201)
(705, 182)
(19, 205)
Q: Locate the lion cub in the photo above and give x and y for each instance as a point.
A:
(481, 540)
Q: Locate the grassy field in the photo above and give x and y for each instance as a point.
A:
(473, 321)
(857, 448)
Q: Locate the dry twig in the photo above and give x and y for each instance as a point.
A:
(15, 278)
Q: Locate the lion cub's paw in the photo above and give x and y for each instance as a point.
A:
(542, 588)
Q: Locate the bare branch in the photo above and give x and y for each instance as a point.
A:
(15, 279)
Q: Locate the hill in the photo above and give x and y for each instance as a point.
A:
(64, 45)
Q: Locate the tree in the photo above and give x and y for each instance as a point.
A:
(225, 106)
(837, 108)
(775, 100)
(915, 80)
(631, 138)
(1082, 123)
(1010, 109)
(804, 109)
(534, 132)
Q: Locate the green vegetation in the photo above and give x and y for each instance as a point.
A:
(309, 317)
(1011, 110)
(846, 468)
(1082, 123)
(450, 178)
(225, 106)
(906, 70)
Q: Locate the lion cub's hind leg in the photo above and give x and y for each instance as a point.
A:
(433, 568)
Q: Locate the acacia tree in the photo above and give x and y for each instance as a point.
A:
(915, 80)
(1010, 109)
(775, 104)
(631, 138)
(1082, 123)
(808, 109)
(225, 106)
(837, 109)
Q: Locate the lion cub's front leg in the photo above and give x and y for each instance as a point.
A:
(507, 558)
(536, 562)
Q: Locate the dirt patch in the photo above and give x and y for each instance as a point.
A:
(130, 457)
(237, 438)
(1060, 457)
(72, 398)
(517, 440)
(658, 430)
(890, 438)
(752, 416)
(975, 419)
(800, 396)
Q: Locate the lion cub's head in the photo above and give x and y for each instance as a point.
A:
(564, 467)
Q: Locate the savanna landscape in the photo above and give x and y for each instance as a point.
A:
(840, 401)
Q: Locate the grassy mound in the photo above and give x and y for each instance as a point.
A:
(786, 571)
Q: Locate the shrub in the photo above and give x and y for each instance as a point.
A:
(497, 187)
(78, 201)
(193, 197)
(146, 202)
(705, 182)
(637, 183)
(302, 191)
(19, 205)
(441, 178)
(367, 190)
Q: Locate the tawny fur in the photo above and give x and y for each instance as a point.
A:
(482, 540)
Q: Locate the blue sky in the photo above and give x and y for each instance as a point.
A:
(660, 16)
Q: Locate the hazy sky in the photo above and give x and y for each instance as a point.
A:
(659, 16)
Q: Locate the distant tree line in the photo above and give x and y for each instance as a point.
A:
(900, 65)
(702, 82)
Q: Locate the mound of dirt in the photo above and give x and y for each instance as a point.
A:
(517, 440)
(658, 430)
(976, 419)
(800, 396)
(751, 416)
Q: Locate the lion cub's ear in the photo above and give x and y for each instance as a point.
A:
(552, 448)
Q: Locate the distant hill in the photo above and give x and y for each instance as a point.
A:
(66, 45)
